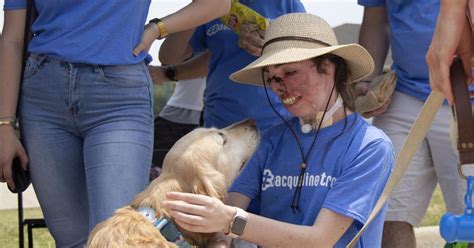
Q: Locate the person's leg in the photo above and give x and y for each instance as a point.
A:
(115, 115)
(409, 201)
(398, 234)
(55, 151)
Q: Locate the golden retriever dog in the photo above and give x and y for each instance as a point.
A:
(205, 161)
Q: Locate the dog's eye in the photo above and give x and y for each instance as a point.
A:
(224, 140)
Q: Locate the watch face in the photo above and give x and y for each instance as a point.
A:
(239, 225)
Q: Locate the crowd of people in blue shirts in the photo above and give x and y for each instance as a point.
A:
(87, 127)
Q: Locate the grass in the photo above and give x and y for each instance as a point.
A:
(9, 229)
(436, 209)
(161, 95)
(42, 238)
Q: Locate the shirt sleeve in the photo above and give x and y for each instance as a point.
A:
(298, 7)
(249, 181)
(371, 3)
(14, 4)
(198, 39)
(358, 188)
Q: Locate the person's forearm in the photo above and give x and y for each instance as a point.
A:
(214, 9)
(450, 4)
(451, 15)
(375, 36)
(11, 48)
(175, 48)
(271, 233)
(194, 68)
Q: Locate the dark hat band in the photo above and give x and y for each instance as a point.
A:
(293, 38)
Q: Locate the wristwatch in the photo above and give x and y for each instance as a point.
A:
(161, 27)
(238, 223)
(170, 72)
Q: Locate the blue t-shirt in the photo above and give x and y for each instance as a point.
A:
(346, 173)
(412, 24)
(225, 101)
(87, 31)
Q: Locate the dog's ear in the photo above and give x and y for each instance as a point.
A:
(208, 181)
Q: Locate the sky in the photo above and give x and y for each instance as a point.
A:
(335, 12)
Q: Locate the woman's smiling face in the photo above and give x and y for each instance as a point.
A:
(302, 89)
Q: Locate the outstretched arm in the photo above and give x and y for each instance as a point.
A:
(452, 36)
(200, 213)
(196, 13)
(193, 68)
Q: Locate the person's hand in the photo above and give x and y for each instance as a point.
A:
(251, 38)
(150, 34)
(199, 213)
(452, 37)
(378, 111)
(157, 74)
(10, 147)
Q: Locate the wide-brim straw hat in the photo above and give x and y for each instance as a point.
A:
(301, 36)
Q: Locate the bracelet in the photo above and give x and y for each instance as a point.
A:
(161, 27)
(10, 123)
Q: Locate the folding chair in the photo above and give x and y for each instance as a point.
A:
(30, 223)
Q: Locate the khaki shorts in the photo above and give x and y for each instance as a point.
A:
(435, 162)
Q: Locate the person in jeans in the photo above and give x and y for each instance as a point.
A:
(85, 107)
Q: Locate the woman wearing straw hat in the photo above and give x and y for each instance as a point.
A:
(319, 174)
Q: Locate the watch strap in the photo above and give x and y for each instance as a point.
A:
(238, 223)
(170, 73)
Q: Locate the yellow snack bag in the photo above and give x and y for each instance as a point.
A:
(240, 14)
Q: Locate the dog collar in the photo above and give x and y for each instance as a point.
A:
(167, 228)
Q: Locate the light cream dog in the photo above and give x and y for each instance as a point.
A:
(205, 161)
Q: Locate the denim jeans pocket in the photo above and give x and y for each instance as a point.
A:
(125, 75)
(33, 65)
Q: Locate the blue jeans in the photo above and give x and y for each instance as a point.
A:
(88, 132)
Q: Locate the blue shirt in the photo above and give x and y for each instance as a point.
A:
(87, 31)
(348, 168)
(412, 24)
(225, 101)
